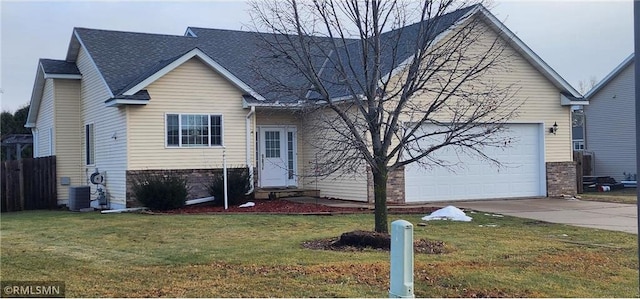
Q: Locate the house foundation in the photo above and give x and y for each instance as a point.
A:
(197, 180)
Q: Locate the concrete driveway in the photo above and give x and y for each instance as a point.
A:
(602, 215)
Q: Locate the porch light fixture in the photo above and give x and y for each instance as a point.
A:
(554, 128)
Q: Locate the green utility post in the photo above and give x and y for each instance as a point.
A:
(401, 285)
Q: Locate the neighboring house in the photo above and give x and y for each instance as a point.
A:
(15, 144)
(578, 138)
(610, 121)
(577, 131)
(126, 104)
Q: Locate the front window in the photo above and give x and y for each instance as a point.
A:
(193, 130)
(272, 144)
(578, 145)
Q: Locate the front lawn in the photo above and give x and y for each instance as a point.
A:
(135, 255)
(626, 195)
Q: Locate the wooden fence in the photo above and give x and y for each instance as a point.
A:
(584, 162)
(29, 184)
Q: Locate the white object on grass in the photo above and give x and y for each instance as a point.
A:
(198, 200)
(448, 213)
(494, 215)
(247, 205)
(116, 211)
(488, 225)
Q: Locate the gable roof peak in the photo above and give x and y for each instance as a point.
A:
(528, 53)
(58, 67)
(614, 73)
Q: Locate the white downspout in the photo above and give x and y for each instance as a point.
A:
(249, 141)
(36, 144)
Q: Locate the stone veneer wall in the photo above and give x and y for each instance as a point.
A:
(197, 181)
(395, 186)
(561, 178)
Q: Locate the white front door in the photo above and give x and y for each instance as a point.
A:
(277, 156)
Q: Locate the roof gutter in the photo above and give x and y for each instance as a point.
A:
(571, 101)
(246, 104)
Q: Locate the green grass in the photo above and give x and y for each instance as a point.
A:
(134, 255)
(626, 195)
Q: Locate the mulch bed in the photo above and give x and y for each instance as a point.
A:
(281, 206)
(360, 240)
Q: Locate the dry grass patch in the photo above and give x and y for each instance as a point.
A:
(626, 195)
(131, 255)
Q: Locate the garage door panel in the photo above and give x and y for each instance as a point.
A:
(476, 178)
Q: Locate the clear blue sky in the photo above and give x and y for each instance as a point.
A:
(579, 39)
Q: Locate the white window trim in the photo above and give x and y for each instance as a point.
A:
(86, 144)
(293, 181)
(287, 128)
(209, 115)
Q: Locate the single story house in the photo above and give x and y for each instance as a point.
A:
(610, 123)
(125, 103)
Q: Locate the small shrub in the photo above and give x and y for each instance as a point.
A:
(238, 185)
(158, 192)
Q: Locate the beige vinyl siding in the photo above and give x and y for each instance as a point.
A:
(109, 122)
(344, 183)
(540, 103)
(342, 186)
(350, 187)
(610, 126)
(191, 88)
(539, 98)
(68, 134)
(45, 121)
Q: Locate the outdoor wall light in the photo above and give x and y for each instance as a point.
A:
(554, 128)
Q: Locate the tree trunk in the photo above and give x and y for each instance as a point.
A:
(380, 199)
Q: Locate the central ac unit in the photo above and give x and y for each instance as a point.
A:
(79, 198)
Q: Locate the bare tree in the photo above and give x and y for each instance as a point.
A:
(577, 115)
(585, 85)
(388, 83)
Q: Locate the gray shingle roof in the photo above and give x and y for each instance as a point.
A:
(51, 66)
(142, 95)
(126, 58)
(123, 57)
(397, 46)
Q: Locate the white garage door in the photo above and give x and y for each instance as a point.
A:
(521, 175)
